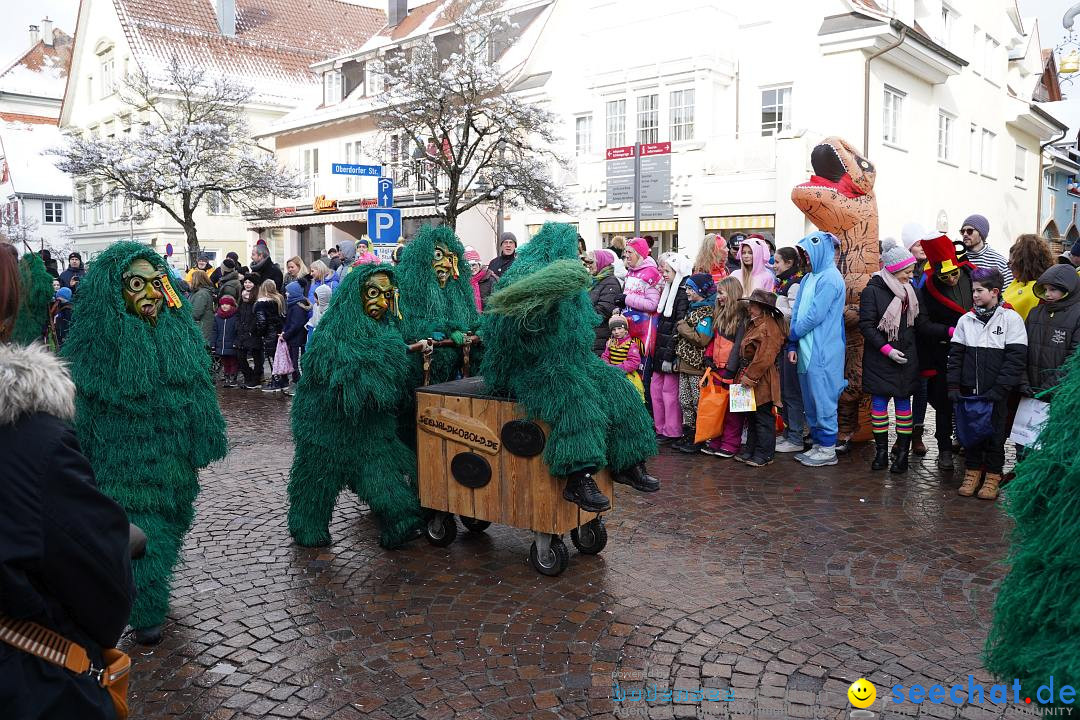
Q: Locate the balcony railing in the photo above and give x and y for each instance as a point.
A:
(414, 176)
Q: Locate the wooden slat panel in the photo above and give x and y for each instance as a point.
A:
(459, 497)
(433, 470)
(486, 500)
(545, 490)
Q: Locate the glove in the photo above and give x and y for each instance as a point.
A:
(996, 395)
(897, 357)
(667, 367)
(954, 395)
(458, 337)
(621, 301)
(708, 362)
(437, 336)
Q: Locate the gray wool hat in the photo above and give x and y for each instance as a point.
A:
(894, 257)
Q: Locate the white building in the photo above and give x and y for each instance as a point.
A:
(35, 197)
(266, 44)
(743, 91)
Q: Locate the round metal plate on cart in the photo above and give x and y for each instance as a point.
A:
(523, 438)
(471, 470)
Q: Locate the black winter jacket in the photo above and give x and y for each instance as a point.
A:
(268, 270)
(247, 335)
(604, 296)
(1053, 331)
(933, 334)
(988, 359)
(295, 319)
(225, 334)
(881, 375)
(229, 285)
(64, 554)
(666, 337)
(268, 324)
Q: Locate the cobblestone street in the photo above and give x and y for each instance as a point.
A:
(782, 584)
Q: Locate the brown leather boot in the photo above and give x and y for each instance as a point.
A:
(917, 446)
(971, 481)
(989, 489)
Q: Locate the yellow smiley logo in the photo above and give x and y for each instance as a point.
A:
(862, 693)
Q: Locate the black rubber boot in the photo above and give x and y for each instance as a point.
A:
(581, 490)
(638, 478)
(881, 451)
(148, 636)
(900, 462)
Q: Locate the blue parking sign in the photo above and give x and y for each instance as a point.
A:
(384, 225)
(386, 192)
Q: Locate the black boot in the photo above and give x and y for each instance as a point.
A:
(148, 636)
(900, 462)
(687, 437)
(881, 451)
(637, 477)
(581, 490)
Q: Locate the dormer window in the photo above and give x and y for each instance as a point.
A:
(107, 66)
(331, 87)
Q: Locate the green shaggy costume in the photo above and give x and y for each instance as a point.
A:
(147, 416)
(431, 311)
(1036, 627)
(37, 293)
(538, 335)
(353, 387)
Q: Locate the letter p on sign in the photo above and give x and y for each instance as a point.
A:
(384, 225)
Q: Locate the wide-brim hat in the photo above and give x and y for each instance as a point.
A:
(764, 298)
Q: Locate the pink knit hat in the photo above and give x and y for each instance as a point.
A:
(640, 245)
(471, 254)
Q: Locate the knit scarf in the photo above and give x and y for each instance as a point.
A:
(603, 273)
(983, 314)
(786, 279)
(902, 293)
(475, 282)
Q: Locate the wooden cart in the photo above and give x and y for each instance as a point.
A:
(480, 459)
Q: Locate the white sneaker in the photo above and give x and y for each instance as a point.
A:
(820, 456)
(786, 446)
(801, 457)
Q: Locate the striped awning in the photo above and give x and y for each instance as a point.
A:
(739, 222)
(627, 226)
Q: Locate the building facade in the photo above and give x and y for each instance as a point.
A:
(35, 197)
(1061, 195)
(742, 92)
(265, 44)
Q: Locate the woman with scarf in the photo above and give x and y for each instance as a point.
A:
(664, 388)
(482, 281)
(604, 293)
(888, 318)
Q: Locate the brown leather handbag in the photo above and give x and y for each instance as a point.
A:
(54, 648)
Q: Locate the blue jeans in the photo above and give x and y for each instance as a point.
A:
(791, 397)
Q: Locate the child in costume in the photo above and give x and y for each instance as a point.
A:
(888, 319)
(641, 291)
(816, 343)
(729, 326)
(695, 332)
(987, 357)
(622, 352)
(664, 388)
(755, 273)
(790, 269)
(761, 343)
(354, 386)
(147, 415)
(538, 333)
(320, 301)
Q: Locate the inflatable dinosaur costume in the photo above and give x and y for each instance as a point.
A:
(1036, 623)
(353, 387)
(537, 330)
(839, 199)
(147, 416)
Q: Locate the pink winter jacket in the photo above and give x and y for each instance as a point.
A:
(761, 277)
(643, 285)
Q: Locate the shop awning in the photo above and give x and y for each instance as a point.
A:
(627, 226)
(533, 229)
(335, 217)
(739, 222)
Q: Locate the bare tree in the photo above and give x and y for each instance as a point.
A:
(191, 144)
(449, 101)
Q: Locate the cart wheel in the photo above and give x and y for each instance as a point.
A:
(590, 538)
(441, 530)
(554, 562)
(474, 525)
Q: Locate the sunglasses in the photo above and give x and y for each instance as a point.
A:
(949, 275)
(966, 231)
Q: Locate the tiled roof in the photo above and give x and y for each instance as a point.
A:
(42, 70)
(28, 119)
(275, 41)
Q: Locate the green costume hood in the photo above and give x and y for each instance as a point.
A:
(426, 307)
(37, 293)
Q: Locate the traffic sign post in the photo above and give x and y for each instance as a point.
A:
(384, 225)
(641, 174)
(386, 192)
(357, 170)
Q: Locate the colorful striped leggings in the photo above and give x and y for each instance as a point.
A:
(879, 414)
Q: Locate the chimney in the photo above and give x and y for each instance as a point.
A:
(397, 12)
(226, 17)
(47, 32)
(34, 36)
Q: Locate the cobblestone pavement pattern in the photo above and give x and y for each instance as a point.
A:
(783, 584)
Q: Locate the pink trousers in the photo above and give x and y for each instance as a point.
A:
(731, 440)
(667, 414)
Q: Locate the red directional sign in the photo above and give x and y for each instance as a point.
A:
(617, 153)
(655, 148)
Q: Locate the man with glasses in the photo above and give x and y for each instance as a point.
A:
(974, 232)
(945, 297)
